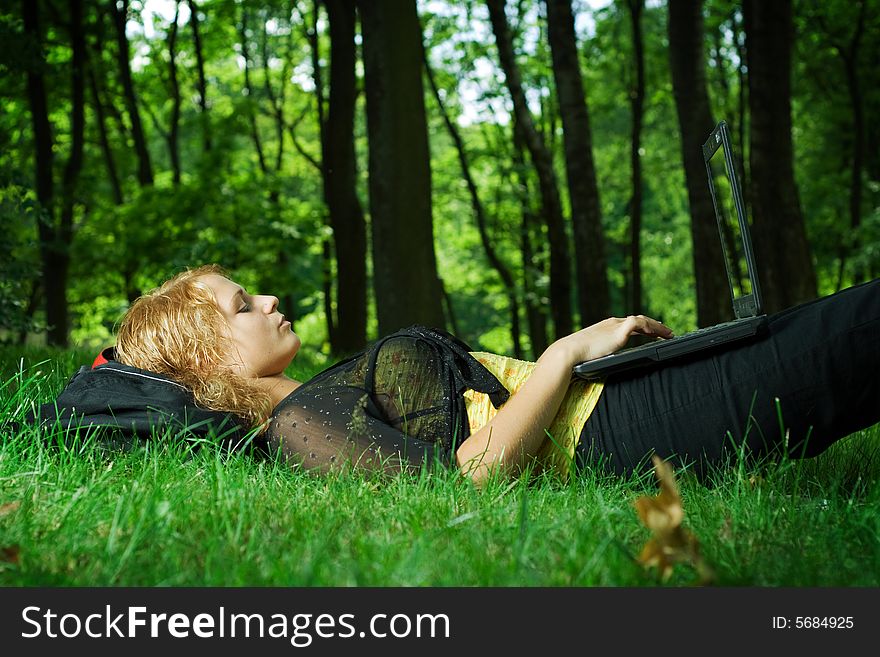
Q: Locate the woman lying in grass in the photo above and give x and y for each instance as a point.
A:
(420, 396)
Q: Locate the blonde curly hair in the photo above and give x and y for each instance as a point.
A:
(178, 330)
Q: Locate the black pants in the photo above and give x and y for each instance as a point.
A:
(818, 365)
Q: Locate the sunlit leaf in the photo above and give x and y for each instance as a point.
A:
(671, 543)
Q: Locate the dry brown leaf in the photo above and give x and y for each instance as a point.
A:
(671, 543)
(9, 554)
(9, 507)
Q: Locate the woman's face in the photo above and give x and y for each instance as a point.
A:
(263, 343)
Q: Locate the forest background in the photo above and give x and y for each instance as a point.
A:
(379, 164)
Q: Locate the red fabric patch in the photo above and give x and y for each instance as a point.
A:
(104, 357)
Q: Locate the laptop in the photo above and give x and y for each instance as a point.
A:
(739, 262)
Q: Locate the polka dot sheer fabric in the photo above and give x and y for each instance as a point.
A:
(398, 405)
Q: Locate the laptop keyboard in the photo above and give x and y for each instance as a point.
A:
(705, 329)
(684, 336)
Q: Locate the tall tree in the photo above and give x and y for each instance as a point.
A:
(119, 11)
(327, 254)
(536, 315)
(104, 139)
(480, 213)
(97, 85)
(276, 100)
(591, 266)
(103, 105)
(173, 136)
(56, 236)
(249, 90)
(270, 168)
(637, 110)
(560, 265)
(340, 182)
(847, 48)
(405, 280)
(782, 251)
(687, 64)
(729, 67)
(194, 22)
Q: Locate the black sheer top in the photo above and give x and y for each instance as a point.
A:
(398, 405)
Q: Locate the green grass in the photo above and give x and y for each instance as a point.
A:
(78, 514)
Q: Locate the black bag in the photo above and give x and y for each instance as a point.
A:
(133, 404)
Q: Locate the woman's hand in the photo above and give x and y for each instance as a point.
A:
(512, 438)
(605, 338)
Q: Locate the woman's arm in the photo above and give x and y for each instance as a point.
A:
(516, 432)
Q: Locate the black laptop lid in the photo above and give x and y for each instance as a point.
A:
(733, 225)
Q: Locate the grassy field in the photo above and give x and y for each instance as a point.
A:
(74, 513)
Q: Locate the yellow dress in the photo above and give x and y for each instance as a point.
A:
(557, 451)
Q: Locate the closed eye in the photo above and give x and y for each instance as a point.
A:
(245, 306)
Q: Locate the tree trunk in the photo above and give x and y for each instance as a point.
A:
(591, 265)
(33, 302)
(131, 260)
(41, 126)
(783, 255)
(72, 169)
(741, 104)
(200, 68)
(480, 214)
(849, 55)
(688, 69)
(340, 183)
(637, 103)
(44, 183)
(104, 138)
(328, 255)
(252, 115)
(174, 129)
(535, 315)
(560, 265)
(855, 190)
(55, 239)
(536, 318)
(276, 103)
(405, 277)
(119, 10)
(450, 311)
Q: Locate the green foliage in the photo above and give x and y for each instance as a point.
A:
(19, 261)
(824, 108)
(267, 223)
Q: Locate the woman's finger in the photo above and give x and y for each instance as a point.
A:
(649, 326)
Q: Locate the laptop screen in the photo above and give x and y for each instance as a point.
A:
(729, 211)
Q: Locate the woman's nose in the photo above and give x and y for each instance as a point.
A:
(270, 303)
